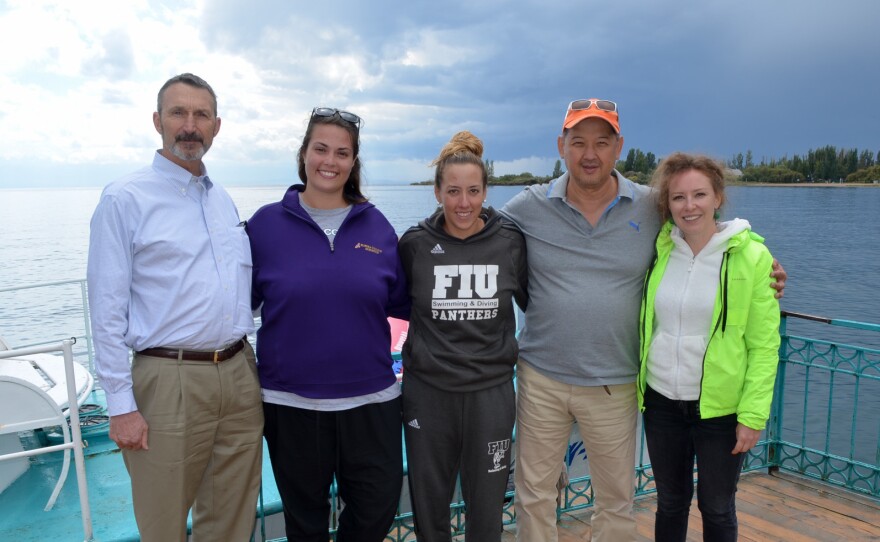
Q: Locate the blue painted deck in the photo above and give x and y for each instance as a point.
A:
(23, 518)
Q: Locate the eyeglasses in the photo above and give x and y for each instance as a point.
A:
(344, 115)
(603, 105)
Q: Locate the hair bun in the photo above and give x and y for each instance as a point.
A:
(462, 142)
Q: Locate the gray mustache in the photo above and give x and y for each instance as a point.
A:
(189, 138)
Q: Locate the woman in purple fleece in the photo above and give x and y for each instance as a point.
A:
(327, 276)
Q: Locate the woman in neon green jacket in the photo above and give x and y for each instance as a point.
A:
(710, 341)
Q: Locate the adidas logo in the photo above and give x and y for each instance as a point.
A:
(414, 424)
(437, 249)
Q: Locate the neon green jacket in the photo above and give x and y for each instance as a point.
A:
(739, 365)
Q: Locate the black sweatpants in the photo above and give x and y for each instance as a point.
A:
(447, 432)
(361, 446)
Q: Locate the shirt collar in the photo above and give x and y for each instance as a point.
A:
(625, 187)
(179, 177)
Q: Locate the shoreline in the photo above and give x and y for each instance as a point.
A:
(807, 185)
(728, 182)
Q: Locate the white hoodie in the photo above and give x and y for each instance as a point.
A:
(683, 309)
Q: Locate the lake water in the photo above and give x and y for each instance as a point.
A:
(828, 239)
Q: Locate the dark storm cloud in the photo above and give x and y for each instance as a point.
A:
(719, 77)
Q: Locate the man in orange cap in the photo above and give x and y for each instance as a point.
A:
(590, 239)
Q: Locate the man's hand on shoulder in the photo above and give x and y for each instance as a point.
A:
(129, 431)
(779, 275)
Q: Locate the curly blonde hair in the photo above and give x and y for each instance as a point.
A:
(679, 162)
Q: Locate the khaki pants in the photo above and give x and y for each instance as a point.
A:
(606, 418)
(205, 448)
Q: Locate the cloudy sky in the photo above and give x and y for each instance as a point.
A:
(78, 80)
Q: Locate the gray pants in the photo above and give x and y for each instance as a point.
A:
(451, 432)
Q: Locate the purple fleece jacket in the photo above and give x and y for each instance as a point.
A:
(325, 332)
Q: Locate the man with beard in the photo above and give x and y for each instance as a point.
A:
(169, 279)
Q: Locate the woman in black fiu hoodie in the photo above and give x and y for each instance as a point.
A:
(465, 269)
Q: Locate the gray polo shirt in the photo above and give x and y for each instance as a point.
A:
(585, 283)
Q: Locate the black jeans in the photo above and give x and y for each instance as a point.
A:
(676, 435)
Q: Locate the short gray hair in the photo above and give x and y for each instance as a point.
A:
(186, 79)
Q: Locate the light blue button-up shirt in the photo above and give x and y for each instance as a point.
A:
(169, 266)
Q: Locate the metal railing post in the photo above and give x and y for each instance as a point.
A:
(774, 426)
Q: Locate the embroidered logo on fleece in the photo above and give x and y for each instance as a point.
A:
(437, 249)
(636, 225)
(368, 248)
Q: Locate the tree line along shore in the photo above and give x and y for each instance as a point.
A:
(826, 166)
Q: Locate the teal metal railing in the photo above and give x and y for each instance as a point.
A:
(826, 413)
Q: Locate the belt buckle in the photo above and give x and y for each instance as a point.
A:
(217, 353)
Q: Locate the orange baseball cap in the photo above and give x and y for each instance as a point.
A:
(579, 110)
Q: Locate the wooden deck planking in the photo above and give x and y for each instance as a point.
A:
(799, 514)
(771, 507)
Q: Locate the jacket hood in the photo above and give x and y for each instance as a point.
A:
(434, 224)
(731, 234)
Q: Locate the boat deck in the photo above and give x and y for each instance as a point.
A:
(774, 506)
(823, 421)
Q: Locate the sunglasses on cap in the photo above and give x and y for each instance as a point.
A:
(603, 105)
(344, 115)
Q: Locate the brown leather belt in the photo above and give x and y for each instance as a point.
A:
(215, 356)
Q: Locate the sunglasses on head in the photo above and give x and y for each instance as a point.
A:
(603, 105)
(344, 115)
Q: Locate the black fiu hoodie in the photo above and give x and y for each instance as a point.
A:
(462, 331)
